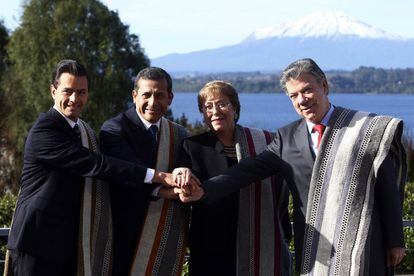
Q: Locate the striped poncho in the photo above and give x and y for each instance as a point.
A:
(341, 197)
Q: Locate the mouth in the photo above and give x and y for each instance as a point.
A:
(151, 111)
(73, 107)
(306, 108)
(217, 120)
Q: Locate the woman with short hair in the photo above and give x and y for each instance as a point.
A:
(240, 234)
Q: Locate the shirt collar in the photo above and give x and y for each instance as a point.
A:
(70, 122)
(324, 121)
(148, 124)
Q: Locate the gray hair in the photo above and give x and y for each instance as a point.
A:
(298, 67)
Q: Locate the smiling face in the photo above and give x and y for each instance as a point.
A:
(151, 98)
(309, 97)
(219, 113)
(70, 95)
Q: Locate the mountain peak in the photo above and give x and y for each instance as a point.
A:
(329, 24)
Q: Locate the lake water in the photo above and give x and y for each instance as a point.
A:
(271, 111)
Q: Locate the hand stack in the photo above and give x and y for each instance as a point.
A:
(181, 184)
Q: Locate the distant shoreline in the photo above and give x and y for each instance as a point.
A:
(330, 92)
(364, 80)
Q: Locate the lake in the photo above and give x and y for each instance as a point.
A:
(271, 111)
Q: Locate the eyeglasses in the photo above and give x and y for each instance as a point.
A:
(222, 106)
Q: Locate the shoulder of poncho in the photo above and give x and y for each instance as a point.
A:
(86, 125)
(372, 114)
(257, 130)
(179, 128)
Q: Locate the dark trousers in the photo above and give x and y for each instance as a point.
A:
(23, 264)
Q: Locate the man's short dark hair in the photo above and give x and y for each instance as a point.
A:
(154, 73)
(68, 66)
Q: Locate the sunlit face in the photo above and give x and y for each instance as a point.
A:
(152, 99)
(70, 95)
(309, 97)
(219, 113)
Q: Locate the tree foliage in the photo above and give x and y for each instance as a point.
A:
(85, 30)
(4, 39)
(51, 30)
(361, 80)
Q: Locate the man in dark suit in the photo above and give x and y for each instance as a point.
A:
(137, 211)
(44, 234)
(318, 180)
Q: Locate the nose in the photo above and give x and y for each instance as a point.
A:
(73, 97)
(215, 110)
(151, 101)
(301, 98)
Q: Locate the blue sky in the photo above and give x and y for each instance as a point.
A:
(181, 26)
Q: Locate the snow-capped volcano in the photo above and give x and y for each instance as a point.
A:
(331, 24)
(333, 39)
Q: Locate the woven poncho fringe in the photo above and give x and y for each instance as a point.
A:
(162, 243)
(260, 246)
(95, 230)
(341, 196)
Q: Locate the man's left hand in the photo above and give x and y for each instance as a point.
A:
(395, 255)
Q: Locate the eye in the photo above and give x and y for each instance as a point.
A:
(221, 105)
(208, 107)
(159, 95)
(308, 90)
(146, 95)
(67, 92)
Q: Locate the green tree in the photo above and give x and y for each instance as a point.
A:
(7, 164)
(85, 30)
(4, 39)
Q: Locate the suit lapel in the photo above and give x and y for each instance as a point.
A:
(62, 123)
(140, 138)
(301, 137)
(132, 115)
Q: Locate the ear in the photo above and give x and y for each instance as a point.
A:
(325, 87)
(52, 91)
(134, 94)
(170, 97)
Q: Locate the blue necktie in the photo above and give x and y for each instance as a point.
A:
(154, 131)
(77, 130)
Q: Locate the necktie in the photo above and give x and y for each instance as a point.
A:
(319, 128)
(77, 130)
(154, 131)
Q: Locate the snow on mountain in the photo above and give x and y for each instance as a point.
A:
(333, 39)
(329, 24)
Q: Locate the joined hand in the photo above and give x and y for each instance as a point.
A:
(189, 186)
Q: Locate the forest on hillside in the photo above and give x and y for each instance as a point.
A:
(361, 80)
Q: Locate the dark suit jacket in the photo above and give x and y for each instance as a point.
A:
(46, 219)
(290, 153)
(213, 232)
(126, 137)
